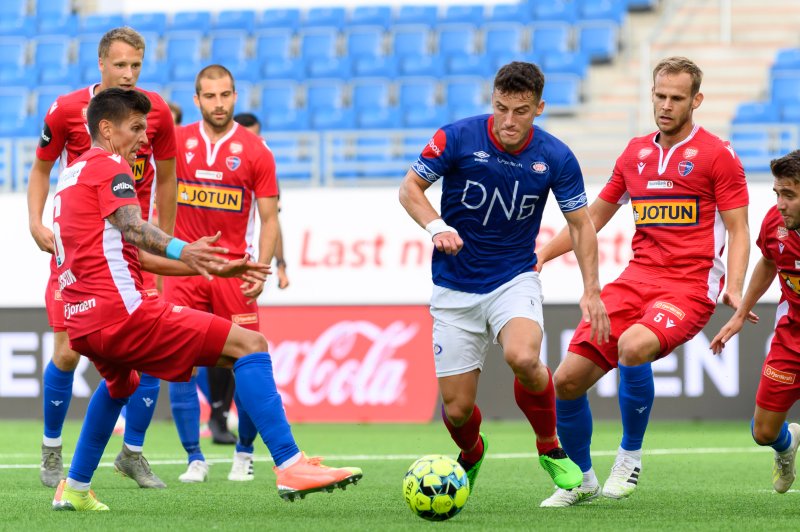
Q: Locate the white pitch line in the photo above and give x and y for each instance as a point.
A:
(224, 459)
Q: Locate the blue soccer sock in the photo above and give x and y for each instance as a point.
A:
(574, 423)
(636, 395)
(57, 395)
(782, 442)
(140, 410)
(247, 429)
(255, 386)
(202, 383)
(186, 413)
(101, 415)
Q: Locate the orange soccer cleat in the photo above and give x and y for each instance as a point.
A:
(308, 475)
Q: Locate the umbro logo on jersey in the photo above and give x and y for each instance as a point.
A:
(481, 156)
(640, 166)
(189, 157)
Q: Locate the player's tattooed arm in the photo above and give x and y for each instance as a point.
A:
(144, 235)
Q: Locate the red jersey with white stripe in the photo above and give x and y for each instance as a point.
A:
(677, 197)
(98, 271)
(782, 246)
(218, 184)
(65, 134)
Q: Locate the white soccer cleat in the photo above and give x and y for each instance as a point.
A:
(563, 498)
(196, 472)
(783, 472)
(242, 468)
(623, 479)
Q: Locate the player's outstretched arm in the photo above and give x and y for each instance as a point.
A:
(763, 275)
(200, 255)
(584, 241)
(38, 188)
(244, 268)
(267, 241)
(600, 211)
(416, 204)
(735, 221)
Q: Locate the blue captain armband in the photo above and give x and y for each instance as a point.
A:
(174, 248)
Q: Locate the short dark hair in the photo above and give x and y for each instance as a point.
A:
(115, 105)
(787, 167)
(213, 72)
(247, 119)
(518, 77)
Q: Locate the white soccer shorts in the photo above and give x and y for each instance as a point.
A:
(464, 323)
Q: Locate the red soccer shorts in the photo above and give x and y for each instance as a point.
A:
(221, 297)
(779, 387)
(674, 315)
(160, 339)
(54, 304)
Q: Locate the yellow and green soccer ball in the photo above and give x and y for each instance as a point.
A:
(436, 487)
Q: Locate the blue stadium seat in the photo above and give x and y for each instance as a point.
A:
(279, 119)
(382, 118)
(554, 10)
(99, 23)
(421, 65)
(288, 18)
(228, 46)
(411, 40)
(503, 58)
(550, 37)
(276, 43)
(199, 21)
(87, 49)
(283, 68)
(14, 19)
(786, 59)
(183, 47)
(565, 62)
(328, 94)
(505, 37)
(153, 72)
(183, 95)
(371, 93)
(55, 17)
(365, 41)
(517, 12)
(325, 16)
(417, 92)
(51, 51)
(245, 70)
(184, 71)
(327, 118)
(465, 90)
(13, 51)
(245, 94)
(53, 74)
(562, 93)
(602, 10)
(753, 146)
(14, 103)
(416, 14)
(756, 112)
(319, 42)
(599, 39)
(18, 76)
(149, 22)
(463, 64)
(279, 94)
(457, 112)
(236, 19)
(372, 15)
(469, 14)
(642, 5)
(790, 112)
(329, 67)
(457, 39)
(785, 86)
(425, 117)
(45, 96)
(385, 66)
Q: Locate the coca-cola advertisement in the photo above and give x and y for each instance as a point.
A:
(352, 364)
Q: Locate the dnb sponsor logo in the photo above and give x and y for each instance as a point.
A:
(77, 308)
(658, 211)
(211, 197)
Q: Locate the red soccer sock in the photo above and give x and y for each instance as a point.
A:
(467, 436)
(540, 409)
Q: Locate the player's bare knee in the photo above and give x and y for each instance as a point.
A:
(566, 388)
(66, 359)
(254, 342)
(765, 434)
(458, 413)
(523, 359)
(632, 352)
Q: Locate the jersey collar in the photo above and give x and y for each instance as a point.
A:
(489, 126)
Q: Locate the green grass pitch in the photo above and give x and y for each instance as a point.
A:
(696, 476)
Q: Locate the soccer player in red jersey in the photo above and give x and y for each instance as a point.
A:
(686, 187)
(226, 174)
(65, 137)
(123, 329)
(779, 387)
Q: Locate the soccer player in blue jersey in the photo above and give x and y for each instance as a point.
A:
(496, 172)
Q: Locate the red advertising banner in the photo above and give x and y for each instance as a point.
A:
(352, 364)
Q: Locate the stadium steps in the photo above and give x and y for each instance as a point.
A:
(617, 102)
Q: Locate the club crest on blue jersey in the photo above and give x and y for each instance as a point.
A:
(232, 162)
(685, 168)
(539, 167)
